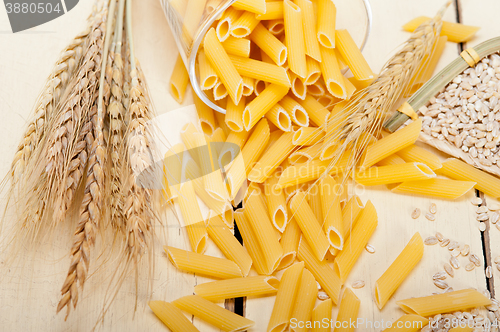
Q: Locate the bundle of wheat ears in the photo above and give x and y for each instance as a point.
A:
(89, 133)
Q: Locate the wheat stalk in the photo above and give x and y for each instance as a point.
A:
(367, 111)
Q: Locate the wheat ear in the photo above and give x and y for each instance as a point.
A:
(92, 205)
(367, 111)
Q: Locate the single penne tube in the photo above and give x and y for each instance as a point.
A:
(332, 75)
(206, 116)
(305, 300)
(313, 71)
(244, 25)
(442, 303)
(305, 155)
(415, 153)
(232, 147)
(272, 158)
(299, 88)
(259, 86)
(375, 176)
(208, 76)
(248, 86)
(350, 214)
(228, 244)
(237, 46)
(276, 204)
(399, 270)
(327, 13)
(327, 101)
(352, 56)
(234, 115)
(360, 85)
(348, 311)
(269, 44)
(321, 271)
(256, 213)
(458, 170)
(314, 200)
(317, 113)
(408, 323)
(240, 287)
(443, 188)
(220, 91)
(309, 225)
(316, 90)
(192, 20)
(224, 25)
(254, 6)
(223, 66)
(310, 23)
(280, 118)
(212, 267)
(193, 219)
(427, 65)
(258, 107)
(260, 70)
(179, 80)
(456, 32)
(356, 242)
(172, 316)
(393, 159)
(302, 173)
(297, 113)
(321, 314)
(274, 11)
(255, 145)
(294, 34)
(332, 212)
(251, 243)
(236, 178)
(350, 89)
(392, 143)
(287, 294)
(276, 27)
(213, 314)
(290, 243)
(307, 136)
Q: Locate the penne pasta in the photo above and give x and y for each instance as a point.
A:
(316, 90)
(269, 44)
(274, 11)
(393, 159)
(332, 75)
(258, 107)
(276, 27)
(299, 88)
(260, 70)
(280, 118)
(256, 213)
(458, 170)
(221, 122)
(305, 300)
(191, 21)
(352, 56)
(220, 91)
(348, 311)
(172, 317)
(317, 113)
(244, 25)
(232, 147)
(259, 86)
(307, 136)
(296, 112)
(456, 32)
(208, 76)
(310, 22)
(356, 242)
(321, 271)
(248, 86)
(305, 155)
(394, 276)
(294, 34)
(332, 212)
(375, 176)
(408, 323)
(213, 314)
(223, 66)
(241, 287)
(254, 6)
(251, 243)
(223, 29)
(212, 267)
(234, 115)
(272, 158)
(327, 13)
(442, 303)
(237, 46)
(392, 143)
(287, 294)
(428, 65)
(179, 80)
(321, 314)
(314, 200)
(228, 244)
(206, 116)
(350, 214)
(276, 204)
(350, 89)
(290, 243)
(421, 155)
(309, 225)
(255, 145)
(443, 188)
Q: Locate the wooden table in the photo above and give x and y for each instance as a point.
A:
(29, 293)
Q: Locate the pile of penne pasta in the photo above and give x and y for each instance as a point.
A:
(276, 67)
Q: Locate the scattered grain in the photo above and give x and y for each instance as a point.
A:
(477, 201)
(469, 267)
(370, 248)
(433, 208)
(358, 284)
(455, 252)
(482, 217)
(445, 243)
(495, 217)
(322, 296)
(439, 236)
(454, 262)
(440, 275)
(494, 207)
(497, 260)
(430, 216)
(453, 245)
(431, 240)
(465, 251)
(489, 272)
(475, 259)
(416, 213)
(482, 226)
(449, 270)
(441, 284)
(482, 209)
